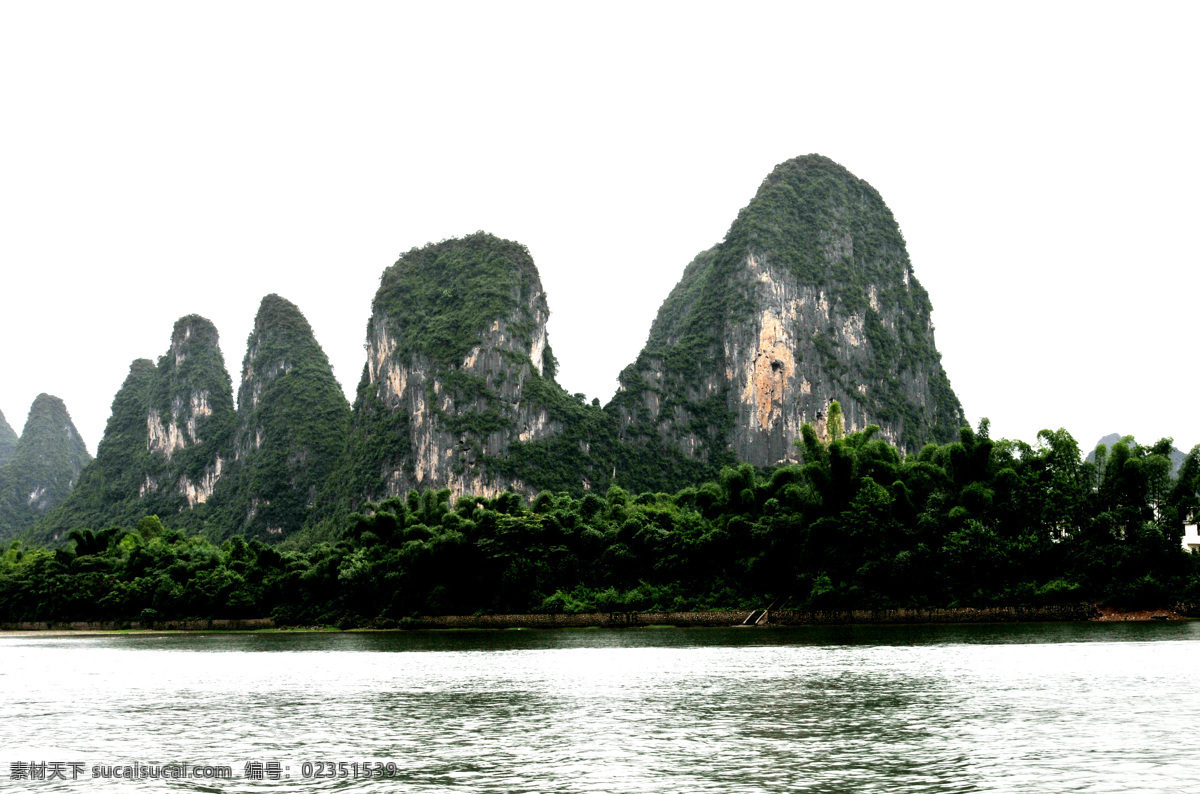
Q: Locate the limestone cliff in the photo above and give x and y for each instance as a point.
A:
(190, 418)
(459, 371)
(166, 444)
(810, 298)
(292, 420)
(44, 467)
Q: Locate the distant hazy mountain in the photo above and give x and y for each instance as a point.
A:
(8, 441)
(1112, 438)
(44, 466)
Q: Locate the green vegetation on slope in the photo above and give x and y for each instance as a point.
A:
(684, 344)
(576, 459)
(291, 426)
(377, 443)
(105, 487)
(439, 299)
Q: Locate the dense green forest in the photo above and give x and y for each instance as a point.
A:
(972, 523)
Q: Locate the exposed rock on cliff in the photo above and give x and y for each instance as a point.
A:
(190, 421)
(459, 373)
(167, 442)
(44, 468)
(292, 420)
(8, 441)
(810, 298)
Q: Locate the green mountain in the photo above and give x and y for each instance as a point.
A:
(292, 421)
(810, 298)
(458, 391)
(44, 467)
(166, 443)
(8, 441)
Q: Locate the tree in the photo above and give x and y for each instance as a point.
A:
(835, 424)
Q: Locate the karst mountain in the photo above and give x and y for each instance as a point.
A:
(810, 298)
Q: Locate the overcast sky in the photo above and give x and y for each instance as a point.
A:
(158, 160)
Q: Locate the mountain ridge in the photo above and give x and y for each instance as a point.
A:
(810, 298)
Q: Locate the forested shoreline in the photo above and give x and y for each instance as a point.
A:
(855, 525)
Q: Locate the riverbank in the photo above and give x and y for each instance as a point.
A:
(716, 618)
(109, 626)
(1076, 612)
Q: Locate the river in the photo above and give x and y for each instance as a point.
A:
(1030, 708)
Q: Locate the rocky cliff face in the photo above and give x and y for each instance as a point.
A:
(292, 420)
(810, 298)
(190, 418)
(167, 442)
(44, 468)
(8, 440)
(458, 371)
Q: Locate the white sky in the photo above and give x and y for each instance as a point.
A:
(158, 160)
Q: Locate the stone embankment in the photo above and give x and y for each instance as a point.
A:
(215, 624)
(777, 618)
(1062, 613)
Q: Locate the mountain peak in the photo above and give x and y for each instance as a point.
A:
(276, 310)
(281, 333)
(459, 370)
(441, 299)
(810, 298)
(292, 419)
(166, 442)
(44, 467)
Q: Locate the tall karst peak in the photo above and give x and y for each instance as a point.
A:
(459, 374)
(44, 468)
(280, 340)
(810, 298)
(191, 407)
(8, 440)
(50, 444)
(166, 443)
(292, 420)
(192, 331)
(447, 300)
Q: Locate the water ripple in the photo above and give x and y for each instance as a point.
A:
(1067, 708)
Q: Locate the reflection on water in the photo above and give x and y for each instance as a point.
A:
(1054, 708)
